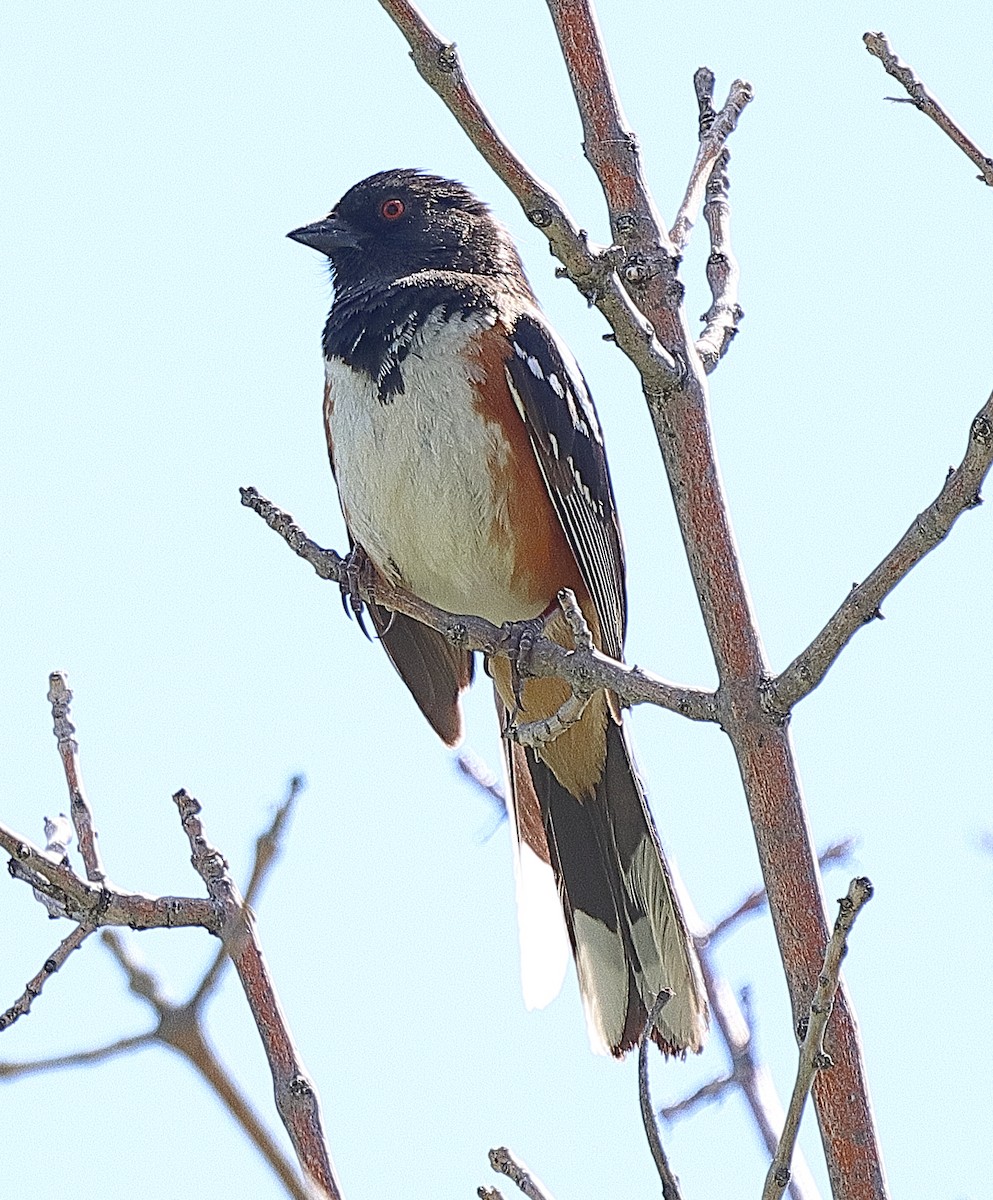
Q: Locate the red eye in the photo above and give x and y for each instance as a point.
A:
(392, 209)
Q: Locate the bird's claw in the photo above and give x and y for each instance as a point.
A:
(358, 572)
(519, 638)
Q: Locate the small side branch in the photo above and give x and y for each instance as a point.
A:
(296, 1097)
(715, 129)
(813, 1057)
(33, 990)
(502, 1161)
(60, 698)
(732, 1017)
(959, 493)
(921, 98)
(83, 902)
(593, 271)
(585, 669)
(725, 313)
(670, 1184)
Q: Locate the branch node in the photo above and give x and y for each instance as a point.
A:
(447, 59)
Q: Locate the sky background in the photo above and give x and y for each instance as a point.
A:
(160, 343)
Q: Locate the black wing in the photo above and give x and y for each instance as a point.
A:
(555, 405)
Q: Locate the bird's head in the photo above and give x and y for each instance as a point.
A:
(403, 222)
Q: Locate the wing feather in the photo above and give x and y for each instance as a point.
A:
(554, 402)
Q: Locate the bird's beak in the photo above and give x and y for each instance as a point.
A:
(327, 235)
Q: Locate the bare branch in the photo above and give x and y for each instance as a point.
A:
(268, 847)
(733, 1021)
(959, 493)
(715, 129)
(79, 1058)
(106, 905)
(33, 990)
(296, 1098)
(922, 99)
(725, 313)
(670, 1184)
(813, 1057)
(502, 1161)
(180, 1028)
(478, 773)
(60, 698)
(836, 853)
(592, 271)
(585, 669)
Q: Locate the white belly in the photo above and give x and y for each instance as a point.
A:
(412, 482)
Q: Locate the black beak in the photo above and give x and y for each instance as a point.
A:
(328, 235)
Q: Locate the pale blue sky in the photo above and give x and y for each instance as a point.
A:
(160, 347)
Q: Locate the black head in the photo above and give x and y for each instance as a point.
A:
(402, 222)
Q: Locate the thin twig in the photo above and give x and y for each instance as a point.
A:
(106, 905)
(478, 773)
(60, 698)
(502, 1161)
(592, 271)
(959, 493)
(586, 670)
(725, 313)
(296, 1098)
(180, 1028)
(670, 1184)
(813, 1057)
(713, 140)
(268, 847)
(79, 1058)
(836, 853)
(734, 1024)
(55, 960)
(922, 99)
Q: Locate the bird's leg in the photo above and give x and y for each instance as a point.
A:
(359, 571)
(519, 638)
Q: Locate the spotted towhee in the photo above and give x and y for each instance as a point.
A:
(471, 471)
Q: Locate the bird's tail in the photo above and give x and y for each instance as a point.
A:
(628, 934)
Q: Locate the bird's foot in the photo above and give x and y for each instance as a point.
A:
(359, 573)
(519, 638)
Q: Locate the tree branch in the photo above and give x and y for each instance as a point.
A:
(180, 1028)
(670, 1184)
(715, 129)
(922, 99)
(592, 271)
(22, 1006)
(585, 668)
(60, 698)
(959, 493)
(725, 313)
(296, 1098)
(106, 905)
(735, 1025)
(96, 903)
(502, 1161)
(813, 1057)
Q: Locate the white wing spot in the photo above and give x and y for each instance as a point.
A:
(535, 367)
(519, 350)
(556, 386)
(554, 442)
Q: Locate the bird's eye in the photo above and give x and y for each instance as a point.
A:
(391, 210)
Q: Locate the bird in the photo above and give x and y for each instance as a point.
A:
(471, 471)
